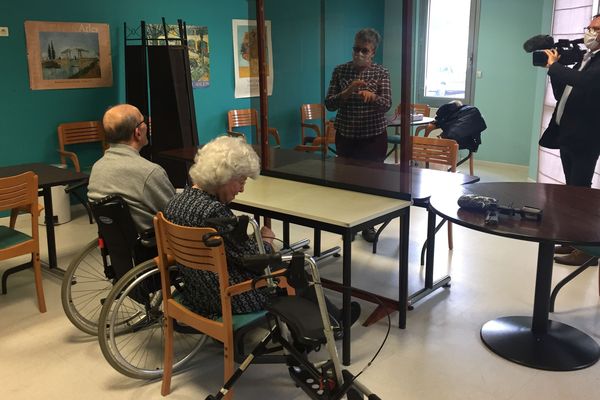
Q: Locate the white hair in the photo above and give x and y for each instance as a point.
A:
(221, 159)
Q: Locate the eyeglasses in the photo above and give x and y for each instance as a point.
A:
(143, 121)
(362, 50)
(591, 29)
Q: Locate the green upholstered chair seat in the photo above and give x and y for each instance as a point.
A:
(394, 139)
(239, 320)
(10, 237)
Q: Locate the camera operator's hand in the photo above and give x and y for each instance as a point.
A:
(553, 57)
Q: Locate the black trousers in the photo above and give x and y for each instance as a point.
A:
(578, 166)
(371, 148)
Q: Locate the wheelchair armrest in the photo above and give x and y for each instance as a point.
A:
(147, 238)
(71, 187)
(250, 284)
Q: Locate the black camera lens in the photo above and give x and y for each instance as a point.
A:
(540, 59)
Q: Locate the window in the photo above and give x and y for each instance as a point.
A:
(446, 56)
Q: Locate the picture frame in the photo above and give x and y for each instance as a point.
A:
(245, 58)
(68, 55)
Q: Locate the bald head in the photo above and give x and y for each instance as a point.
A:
(120, 123)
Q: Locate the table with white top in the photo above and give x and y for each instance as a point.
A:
(333, 210)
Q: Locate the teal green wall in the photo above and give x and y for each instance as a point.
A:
(509, 94)
(506, 94)
(28, 119)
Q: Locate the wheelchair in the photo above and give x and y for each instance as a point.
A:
(92, 274)
(115, 280)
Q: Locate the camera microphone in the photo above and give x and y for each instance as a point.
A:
(538, 42)
(476, 202)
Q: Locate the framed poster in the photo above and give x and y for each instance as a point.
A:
(68, 55)
(245, 58)
(198, 49)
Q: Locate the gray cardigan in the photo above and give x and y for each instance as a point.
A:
(144, 185)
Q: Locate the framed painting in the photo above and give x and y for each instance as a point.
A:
(198, 49)
(68, 55)
(245, 58)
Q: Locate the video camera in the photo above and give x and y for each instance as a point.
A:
(491, 208)
(569, 50)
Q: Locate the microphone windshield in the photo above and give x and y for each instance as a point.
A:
(538, 42)
(476, 202)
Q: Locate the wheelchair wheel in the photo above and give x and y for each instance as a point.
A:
(84, 288)
(131, 329)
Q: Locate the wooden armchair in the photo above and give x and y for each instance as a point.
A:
(248, 117)
(73, 133)
(76, 133)
(184, 246)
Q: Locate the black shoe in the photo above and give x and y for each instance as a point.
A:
(369, 234)
(563, 249)
(338, 331)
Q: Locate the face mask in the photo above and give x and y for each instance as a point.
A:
(589, 40)
(361, 60)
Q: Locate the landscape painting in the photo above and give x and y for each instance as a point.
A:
(65, 55)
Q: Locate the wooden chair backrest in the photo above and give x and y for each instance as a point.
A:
(238, 118)
(20, 192)
(80, 132)
(308, 112)
(184, 245)
(435, 150)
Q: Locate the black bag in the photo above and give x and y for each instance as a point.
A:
(463, 124)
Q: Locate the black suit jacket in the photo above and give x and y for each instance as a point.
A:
(580, 123)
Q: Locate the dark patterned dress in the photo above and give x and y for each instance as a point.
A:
(201, 288)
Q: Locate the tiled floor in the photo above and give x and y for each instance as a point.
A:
(439, 355)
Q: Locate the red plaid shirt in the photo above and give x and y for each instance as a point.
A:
(355, 118)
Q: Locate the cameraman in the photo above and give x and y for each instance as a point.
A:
(574, 125)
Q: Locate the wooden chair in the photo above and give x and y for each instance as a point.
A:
(442, 152)
(394, 139)
(73, 133)
(76, 133)
(310, 112)
(316, 143)
(427, 129)
(184, 246)
(20, 192)
(248, 117)
(436, 151)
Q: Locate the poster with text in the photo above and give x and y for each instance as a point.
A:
(245, 58)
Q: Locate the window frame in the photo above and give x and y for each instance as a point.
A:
(420, 56)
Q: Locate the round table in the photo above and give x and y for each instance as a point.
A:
(571, 215)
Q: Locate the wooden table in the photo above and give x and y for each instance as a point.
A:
(333, 210)
(48, 176)
(571, 215)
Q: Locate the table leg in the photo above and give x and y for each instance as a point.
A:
(346, 294)
(286, 233)
(430, 286)
(536, 341)
(403, 267)
(49, 221)
(317, 242)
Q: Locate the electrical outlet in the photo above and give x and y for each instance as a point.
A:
(3, 30)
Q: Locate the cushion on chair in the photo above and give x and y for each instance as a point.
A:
(10, 237)
(395, 139)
